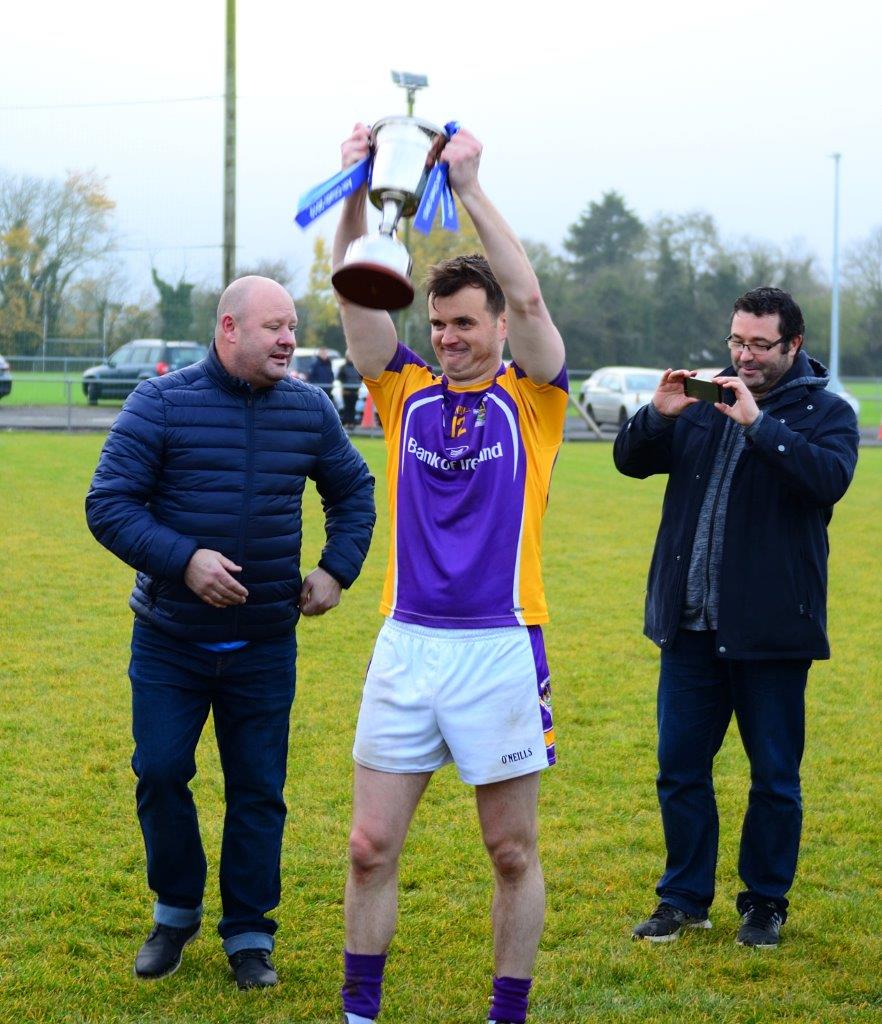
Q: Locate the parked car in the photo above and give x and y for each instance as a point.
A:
(301, 363)
(613, 394)
(136, 361)
(848, 397)
(5, 378)
(303, 357)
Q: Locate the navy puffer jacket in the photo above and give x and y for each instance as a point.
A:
(773, 574)
(199, 459)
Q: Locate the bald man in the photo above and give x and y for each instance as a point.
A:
(199, 489)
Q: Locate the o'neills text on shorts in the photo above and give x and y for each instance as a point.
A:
(518, 755)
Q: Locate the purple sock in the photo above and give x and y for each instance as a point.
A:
(363, 979)
(510, 999)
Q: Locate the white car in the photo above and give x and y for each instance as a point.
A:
(301, 363)
(848, 397)
(613, 394)
(5, 378)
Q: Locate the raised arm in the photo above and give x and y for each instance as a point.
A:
(370, 334)
(534, 341)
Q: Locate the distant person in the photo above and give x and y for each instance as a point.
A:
(321, 372)
(736, 600)
(350, 382)
(199, 489)
(458, 673)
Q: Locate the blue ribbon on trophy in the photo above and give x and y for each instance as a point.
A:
(317, 200)
(437, 191)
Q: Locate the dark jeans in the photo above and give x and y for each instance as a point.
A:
(697, 693)
(249, 691)
(350, 399)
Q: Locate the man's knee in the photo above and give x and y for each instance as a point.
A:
(682, 760)
(511, 858)
(370, 853)
(156, 770)
(776, 783)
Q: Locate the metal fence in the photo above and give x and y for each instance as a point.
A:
(62, 355)
(64, 365)
(56, 399)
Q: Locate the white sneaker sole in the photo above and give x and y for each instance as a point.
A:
(701, 925)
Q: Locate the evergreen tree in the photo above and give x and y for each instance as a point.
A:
(607, 234)
(175, 309)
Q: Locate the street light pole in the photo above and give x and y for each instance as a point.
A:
(409, 82)
(229, 267)
(835, 386)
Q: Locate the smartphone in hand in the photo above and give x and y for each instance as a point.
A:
(706, 390)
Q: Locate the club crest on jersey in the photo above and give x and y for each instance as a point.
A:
(481, 413)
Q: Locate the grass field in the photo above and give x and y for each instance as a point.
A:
(74, 905)
(46, 389)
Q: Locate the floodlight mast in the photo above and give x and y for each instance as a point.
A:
(834, 303)
(228, 270)
(410, 83)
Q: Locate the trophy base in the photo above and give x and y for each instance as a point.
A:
(373, 285)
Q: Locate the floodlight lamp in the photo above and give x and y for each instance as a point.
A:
(408, 80)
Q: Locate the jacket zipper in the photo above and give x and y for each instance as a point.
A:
(681, 574)
(730, 443)
(246, 497)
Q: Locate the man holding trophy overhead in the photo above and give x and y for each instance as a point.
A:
(458, 672)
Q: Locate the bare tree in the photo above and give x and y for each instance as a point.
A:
(863, 277)
(863, 268)
(50, 232)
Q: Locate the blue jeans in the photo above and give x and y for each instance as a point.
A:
(174, 685)
(697, 693)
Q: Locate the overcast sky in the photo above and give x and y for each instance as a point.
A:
(732, 109)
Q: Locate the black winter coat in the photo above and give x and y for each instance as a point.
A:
(199, 459)
(773, 575)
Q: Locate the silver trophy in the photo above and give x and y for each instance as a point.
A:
(375, 271)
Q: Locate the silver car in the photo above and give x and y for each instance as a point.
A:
(613, 394)
(5, 378)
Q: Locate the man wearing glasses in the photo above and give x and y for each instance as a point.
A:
(736, 600)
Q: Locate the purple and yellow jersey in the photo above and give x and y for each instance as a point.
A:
(468, 473)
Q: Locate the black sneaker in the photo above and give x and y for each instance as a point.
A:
(760, 925)
(253, 968)
(162, 950)
(666, 923)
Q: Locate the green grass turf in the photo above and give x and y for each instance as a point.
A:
(74, 905)
(48, 389)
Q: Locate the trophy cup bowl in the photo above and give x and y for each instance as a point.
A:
(375, 271)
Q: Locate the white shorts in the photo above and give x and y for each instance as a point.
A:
(478, 697)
